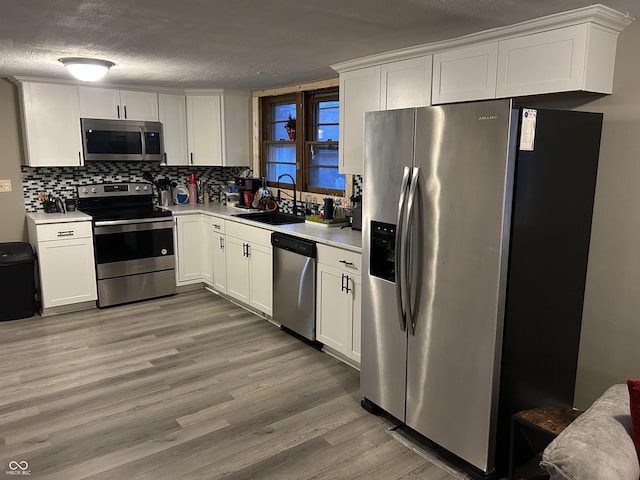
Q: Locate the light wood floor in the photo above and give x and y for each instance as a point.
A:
(187, 387)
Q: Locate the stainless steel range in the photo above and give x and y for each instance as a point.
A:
(133, 242)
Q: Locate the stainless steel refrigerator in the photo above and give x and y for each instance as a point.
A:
(476, 226)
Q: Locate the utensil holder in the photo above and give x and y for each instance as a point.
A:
(166, 198)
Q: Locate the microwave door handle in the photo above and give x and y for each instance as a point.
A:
(144, 143)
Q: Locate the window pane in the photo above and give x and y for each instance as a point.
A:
(322, 177)
(323, 155)
(328, 112)
(274, 170)
(322, 133)
(323, 167)
(278, 118)
(281, 152)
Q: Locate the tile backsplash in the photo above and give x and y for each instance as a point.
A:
(63, 181)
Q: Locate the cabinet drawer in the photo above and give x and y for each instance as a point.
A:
(342, 259)
(216, 224)
(63, 231)
(249, 234)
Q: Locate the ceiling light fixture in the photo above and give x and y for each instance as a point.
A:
(87, 69)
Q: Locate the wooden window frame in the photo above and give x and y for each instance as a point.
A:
(304, 101)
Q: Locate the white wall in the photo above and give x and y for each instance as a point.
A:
(610, 338)
(12, 220)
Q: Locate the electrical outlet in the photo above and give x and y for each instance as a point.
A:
(5, 186)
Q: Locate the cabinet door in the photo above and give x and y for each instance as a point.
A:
(209, 237)
(141, 106)
(67, 272)
(237, 269)
(219, 263)
(356, 316)
(100, 103)
(189, 237)
(51, 117)
(465, 74)
(172, 112)
(406, 83)
(333, 307)
(359, 93)
(261, 277)
(580, 57)
(204, 130)
(237, 123)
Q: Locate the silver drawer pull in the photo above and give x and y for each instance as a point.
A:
(350, 264)
(216, 226)
(66, 233)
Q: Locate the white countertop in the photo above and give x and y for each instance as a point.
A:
(41, 218)
(336, 236)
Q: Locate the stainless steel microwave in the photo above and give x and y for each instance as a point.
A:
(121, 140)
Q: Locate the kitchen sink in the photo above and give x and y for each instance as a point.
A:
(271, 218)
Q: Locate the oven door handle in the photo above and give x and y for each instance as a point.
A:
(131, 227)
(107, 223)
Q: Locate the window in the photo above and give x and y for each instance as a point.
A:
(300, 138)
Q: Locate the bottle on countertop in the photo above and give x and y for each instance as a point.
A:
(193, 189)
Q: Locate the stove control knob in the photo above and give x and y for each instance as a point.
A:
(137, 188)
(94, 190)
(145, 188)
(85, 191)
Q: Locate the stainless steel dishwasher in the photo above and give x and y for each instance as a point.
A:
(294, 284)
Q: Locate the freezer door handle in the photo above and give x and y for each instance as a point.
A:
(400, 275)
(406, 227)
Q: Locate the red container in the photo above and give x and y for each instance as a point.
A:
(248, 198)
(192, 179)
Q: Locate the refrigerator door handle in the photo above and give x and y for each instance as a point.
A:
(406, 227)
(400, 275)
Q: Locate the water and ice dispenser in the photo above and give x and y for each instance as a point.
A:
(383, 251)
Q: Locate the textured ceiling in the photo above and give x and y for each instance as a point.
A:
(241, 44)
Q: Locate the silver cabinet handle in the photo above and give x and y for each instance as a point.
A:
(125, 112)
(345, 284)
(191, 158)
(118, 110)
(221, 243)
(66, 233)
(217, 226)
(349, 264)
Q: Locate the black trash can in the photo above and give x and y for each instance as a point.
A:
(17, 281)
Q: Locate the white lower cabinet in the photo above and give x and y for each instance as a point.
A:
(65, 262)
(214, 264)
(188, 246)
(248, 255)
(338, 302)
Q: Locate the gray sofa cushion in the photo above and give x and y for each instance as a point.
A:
(598, 444)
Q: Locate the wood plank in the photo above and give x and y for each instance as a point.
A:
(189, 386)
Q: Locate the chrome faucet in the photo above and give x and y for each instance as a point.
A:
(293, 182)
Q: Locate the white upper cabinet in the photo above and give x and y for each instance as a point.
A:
(568, 51)
(465, 74)
(359, 93)
(406, 83)
(204, 129)
(116, 104)
(51, 124)
(172, 112)
(218, 129)
(580, 57)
